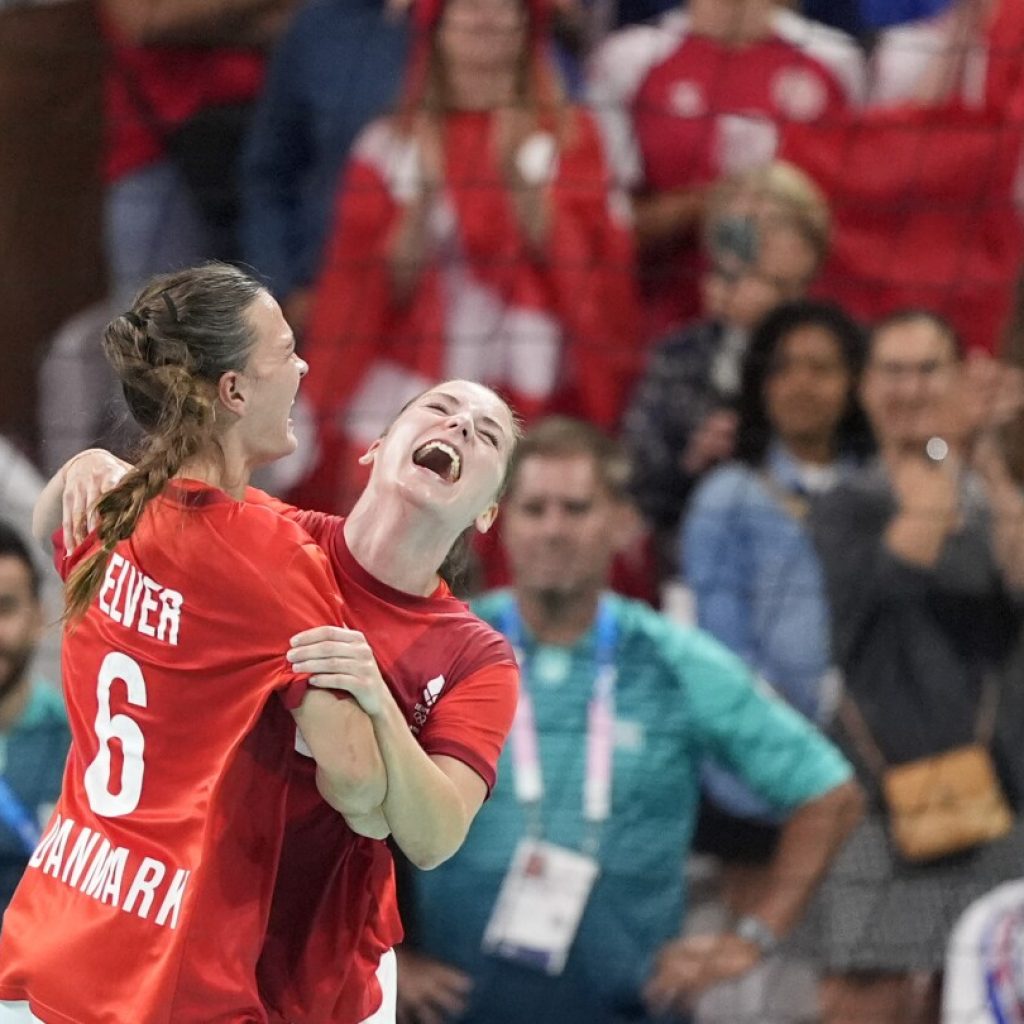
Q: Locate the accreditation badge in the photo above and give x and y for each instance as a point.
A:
(539, 905)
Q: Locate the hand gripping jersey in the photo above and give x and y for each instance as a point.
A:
(147, 899)
(334, 911)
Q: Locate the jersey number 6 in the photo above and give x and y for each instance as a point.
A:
(120, 727)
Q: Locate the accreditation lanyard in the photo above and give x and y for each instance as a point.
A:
(597, 783)
(13, 813)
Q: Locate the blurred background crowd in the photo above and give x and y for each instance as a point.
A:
(770, 249)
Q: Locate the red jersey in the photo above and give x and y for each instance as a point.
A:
(149, 91)
(147, 898)
(334, 911)
(681, 109)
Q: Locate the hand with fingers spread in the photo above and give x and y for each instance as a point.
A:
(340, 659)
(86, 478)
(429, 991)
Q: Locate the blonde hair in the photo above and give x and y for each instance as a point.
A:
(778, 193)
(183, 331)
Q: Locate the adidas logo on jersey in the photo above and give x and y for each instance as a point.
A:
(433, 690)
(430, 694)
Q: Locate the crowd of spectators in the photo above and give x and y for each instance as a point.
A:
(771, 249)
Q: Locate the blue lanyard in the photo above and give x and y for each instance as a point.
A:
(17, 818)
(606, 637)
(529, 781)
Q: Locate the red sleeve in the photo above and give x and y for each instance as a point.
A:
(60, 555)
(472, 721)
(321, 526)
(309, 597)
(64, 561)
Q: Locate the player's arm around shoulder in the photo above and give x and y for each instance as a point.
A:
(69, 498)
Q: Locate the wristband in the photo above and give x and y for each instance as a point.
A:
(753, 930)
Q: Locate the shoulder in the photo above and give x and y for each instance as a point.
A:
(378, 140)
(835, 50)
(639, 623)
(263, 520)
(728, 485)
(687, 348)
(276, 551)
(482, 644)
(857, 508)
(686, 653)
(470, 641)
(913, 38)
(622, 62)
(585, 136)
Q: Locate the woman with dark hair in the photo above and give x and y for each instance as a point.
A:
(148, 897)
(745, 551)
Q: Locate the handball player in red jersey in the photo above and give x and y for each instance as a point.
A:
(439, 686)
(148, 898)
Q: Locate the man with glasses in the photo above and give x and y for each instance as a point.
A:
(923, 553)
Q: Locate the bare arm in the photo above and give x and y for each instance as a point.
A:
(199, 22)
(71, 494)
(986, 396)
(430, 801)
(810, 839)
(349, 769)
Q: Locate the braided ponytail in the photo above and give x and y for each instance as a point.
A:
(183, 332)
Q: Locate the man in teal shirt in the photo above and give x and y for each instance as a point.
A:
(672, 696)
(34, 736)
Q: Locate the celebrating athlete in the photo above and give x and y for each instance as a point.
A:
(438, 685)
(147, 900)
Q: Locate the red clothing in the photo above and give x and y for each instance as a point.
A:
(147, 899)
(149, 90)
(1004, 82)
(556, 332)
(334, 910)
(931, 222)
(683, 109)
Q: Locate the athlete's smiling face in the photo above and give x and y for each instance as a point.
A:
(270, 382)
(447, 453)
